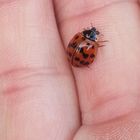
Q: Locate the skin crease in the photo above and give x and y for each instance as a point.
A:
(42, 97)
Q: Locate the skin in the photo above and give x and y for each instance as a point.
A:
(42, 97)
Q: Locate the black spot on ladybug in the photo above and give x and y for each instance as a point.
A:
(69, 54)
(77, 59)
(85, 55)
(92, 56)
(86, 63)
(93, 47)
(81, 50)
(88, 43)
(77, 37)
(82, 62)
(83, 38)
(74, 45)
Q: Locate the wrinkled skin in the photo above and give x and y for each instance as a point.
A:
(42, 97)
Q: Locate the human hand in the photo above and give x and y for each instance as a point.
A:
(42, 97)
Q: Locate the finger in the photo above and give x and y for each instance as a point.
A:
(38, 98)
(110, 89)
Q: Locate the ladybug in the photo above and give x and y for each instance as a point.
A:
(82, 48)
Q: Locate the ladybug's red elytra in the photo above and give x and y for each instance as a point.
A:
(82, 49)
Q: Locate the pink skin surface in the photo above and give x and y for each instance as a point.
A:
(42, 97)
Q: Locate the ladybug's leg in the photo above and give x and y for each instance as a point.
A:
(101, 45)
(89, 67)
(102, 41)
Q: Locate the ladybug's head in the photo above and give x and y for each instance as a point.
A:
(91, 34)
